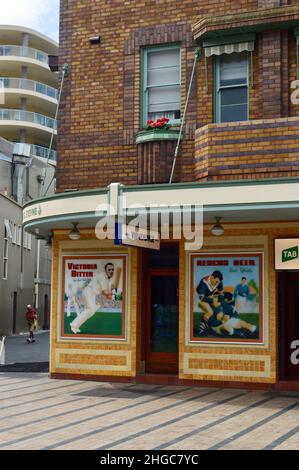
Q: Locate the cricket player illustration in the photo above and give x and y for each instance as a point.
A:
(72, 298)
(102, 288)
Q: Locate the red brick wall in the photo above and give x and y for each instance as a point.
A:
(255, 149)
(99, 113)
(100, 108)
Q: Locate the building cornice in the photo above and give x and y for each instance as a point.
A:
(251, 21)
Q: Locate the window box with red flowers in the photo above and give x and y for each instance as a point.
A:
(157, 130)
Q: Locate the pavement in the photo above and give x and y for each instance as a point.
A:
(18, 351)
(39, 413)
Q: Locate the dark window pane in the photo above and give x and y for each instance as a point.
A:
(233, 81)
(233, 69)
(234, 113)
(166, 257)
(234, 96)
(164, 304)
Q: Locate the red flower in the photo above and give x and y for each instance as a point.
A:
(160, 123)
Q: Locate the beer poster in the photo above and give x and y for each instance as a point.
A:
(94, 296)
(226, 297)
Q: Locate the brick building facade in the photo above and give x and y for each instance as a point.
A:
(101, 106)
(222, 312)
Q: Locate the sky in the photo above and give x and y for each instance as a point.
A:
(42, 15)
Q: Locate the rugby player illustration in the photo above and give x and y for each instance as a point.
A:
(227, 303)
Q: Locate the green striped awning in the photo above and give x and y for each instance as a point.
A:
(229, 48)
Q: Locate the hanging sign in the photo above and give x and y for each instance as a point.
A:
(140, 238)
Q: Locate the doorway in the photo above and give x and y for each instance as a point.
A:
(162, 311)
(289, 323)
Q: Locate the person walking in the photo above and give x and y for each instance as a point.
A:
(31, 317)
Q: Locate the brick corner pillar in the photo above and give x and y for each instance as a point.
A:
(273, 48)
(155, 161)
(270, 52)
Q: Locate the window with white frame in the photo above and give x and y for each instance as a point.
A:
(14, 233)
(19, 237)
(161, 79)
(232, 87)
(5, 253)
(25, 242)
(7, 228)
(29, 241)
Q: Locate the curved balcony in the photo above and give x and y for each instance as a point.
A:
(29, 85)
(12, 58)
(42, 152)
(27, 116)
(22, 51)
(254, 149)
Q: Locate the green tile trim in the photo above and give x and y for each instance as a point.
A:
(156, 135)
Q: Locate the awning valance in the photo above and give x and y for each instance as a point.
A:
(229, 45)
(229, 48)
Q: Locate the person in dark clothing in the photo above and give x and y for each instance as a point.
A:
(231, 320)
(207, 289)
(31, 317)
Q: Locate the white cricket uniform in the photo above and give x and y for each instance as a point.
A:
(71, 292)
(99, 284)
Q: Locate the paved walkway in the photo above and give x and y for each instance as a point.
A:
(39, 413)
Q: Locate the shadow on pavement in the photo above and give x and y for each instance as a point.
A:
(26, 367)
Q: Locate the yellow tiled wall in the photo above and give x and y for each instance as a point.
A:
(197, 360)
(232, 362)
(92, 357)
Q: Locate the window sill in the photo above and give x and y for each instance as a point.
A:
(156, 135)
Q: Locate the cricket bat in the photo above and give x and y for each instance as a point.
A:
(117, 275)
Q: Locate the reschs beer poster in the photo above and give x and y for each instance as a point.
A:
(94, 297)
(226, 297)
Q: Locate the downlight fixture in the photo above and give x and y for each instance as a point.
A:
(75, 233)
(217, 230)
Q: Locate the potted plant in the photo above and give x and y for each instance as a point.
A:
(162, 123)
(157, 130)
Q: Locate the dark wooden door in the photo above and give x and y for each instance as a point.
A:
(290, 325)
(162, 322)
